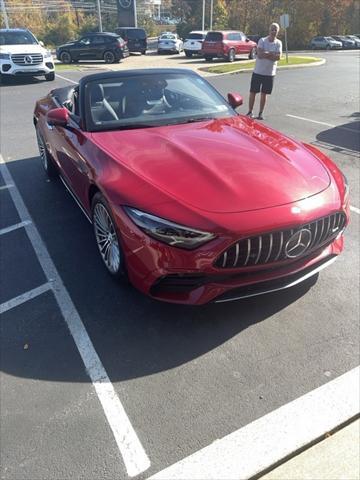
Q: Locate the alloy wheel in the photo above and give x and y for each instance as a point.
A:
(106, 238)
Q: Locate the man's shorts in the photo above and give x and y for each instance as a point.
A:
(263, 82)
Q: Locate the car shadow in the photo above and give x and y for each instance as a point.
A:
(342, 138)
(134, 335)
(10, 81)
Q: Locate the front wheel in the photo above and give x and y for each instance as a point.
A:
(208, 58)
(65, 57)
(252, 53)
(109, 57)
(45, 158)
(49, 77)
(188, 54)
(107, 238)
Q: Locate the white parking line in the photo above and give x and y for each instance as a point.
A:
(24, 297)
(355, 209)
(67, 79)
(133, 454)
(14, 227)
(322, 123)
(264, 442)
(5, 187)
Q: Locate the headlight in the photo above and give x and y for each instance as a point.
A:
(4, 56)
(168, 232)
(47, 54)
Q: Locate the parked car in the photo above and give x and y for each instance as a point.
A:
(227, 44)
(136, 38)
(189, 200)
(109, 47)
(169, 42)
(255, 38)
(355, 39)
(326, 43)
(21, 54)
(193, 43)
(346, 42)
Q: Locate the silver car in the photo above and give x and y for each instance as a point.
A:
(326, 43)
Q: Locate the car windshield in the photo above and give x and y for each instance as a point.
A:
(17, 38)
(195, 36)
(329, 38)
(151, 100)
(135, 33)
(167, 36)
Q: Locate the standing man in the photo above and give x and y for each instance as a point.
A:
(269, 51)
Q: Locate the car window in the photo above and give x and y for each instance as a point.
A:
(17, 38)
(85, 41)
(151, 100)
(195, 36)
(214, 37)
(98, 40)
(135, 33)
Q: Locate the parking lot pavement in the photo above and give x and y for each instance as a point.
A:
(184, 376)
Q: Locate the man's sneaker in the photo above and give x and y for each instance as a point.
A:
(250, 115)
(260, 116)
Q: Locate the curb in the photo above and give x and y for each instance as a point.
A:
(283, 67)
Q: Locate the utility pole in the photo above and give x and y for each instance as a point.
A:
(211, 13)
(135, 14)
(99, 15)
(203, 16)
(3, 11)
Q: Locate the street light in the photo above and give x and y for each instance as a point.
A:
(203, 16)
(99, 15)
(3, 11)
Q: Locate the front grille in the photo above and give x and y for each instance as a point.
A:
(276, 247)
(27, 59)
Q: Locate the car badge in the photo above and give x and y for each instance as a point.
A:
(28, 59)
(298, 243)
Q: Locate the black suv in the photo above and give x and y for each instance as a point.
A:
(135, 37)
(94, 46)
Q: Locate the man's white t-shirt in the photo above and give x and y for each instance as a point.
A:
(265, 66)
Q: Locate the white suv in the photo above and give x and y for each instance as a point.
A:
(21, 54)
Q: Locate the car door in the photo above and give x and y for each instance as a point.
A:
(81, 50)
(70, 143)
(98, 46)
(243, 45)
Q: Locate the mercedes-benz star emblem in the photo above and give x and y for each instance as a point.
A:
(28, 59)
(125, 3)
(298, 243)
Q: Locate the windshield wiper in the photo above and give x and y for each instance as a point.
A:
(197, 119)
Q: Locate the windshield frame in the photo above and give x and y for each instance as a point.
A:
(161, 121)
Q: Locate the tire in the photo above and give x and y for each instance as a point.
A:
(46, 160)
(231, 55)
(143, 52)
(252, 53)
(188, 54)
(107, 238)
(50, 76)
(208, 58)
(109, 57)
(65, 57)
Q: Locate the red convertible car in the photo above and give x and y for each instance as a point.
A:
(189, 200)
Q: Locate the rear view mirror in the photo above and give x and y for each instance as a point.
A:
(235, 99)
(58, 117)
(247, 40)
(41, 43)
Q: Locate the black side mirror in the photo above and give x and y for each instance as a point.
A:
(247, 40)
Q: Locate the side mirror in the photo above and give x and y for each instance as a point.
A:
(58, 117)
(247, 40)
(235, 99)
(41, 43)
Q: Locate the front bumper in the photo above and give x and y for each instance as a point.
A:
(191, 277)
(8, 67)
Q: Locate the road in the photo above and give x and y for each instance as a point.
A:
(185, 376)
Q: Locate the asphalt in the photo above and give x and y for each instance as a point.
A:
(185, 376)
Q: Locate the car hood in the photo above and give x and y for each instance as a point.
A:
(224, 165)
(13, 49)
